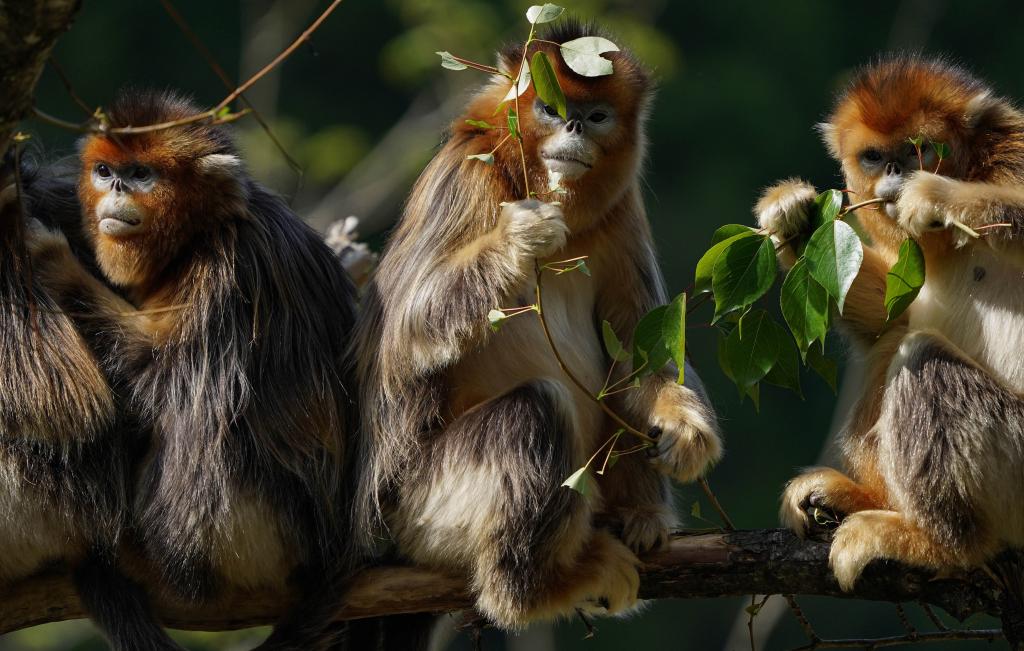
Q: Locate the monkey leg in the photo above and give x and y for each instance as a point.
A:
(488, 498)
(638, 503)
(950, 440)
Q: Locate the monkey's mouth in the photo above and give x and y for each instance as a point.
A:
(568, 166)
(120, 225)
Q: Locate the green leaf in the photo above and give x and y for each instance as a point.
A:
(496, 318)
(904, 280)
(941, 150)
(827, 207)
(487, 157)
(823, 366)
(804, 304)
(674, 332)
(695, 511)
(743, 273)
(538, 14)
(729, 230)
(546, 83)
(612, 343)
(917, 142)
(513, 123)
(449, 61)
(785, 372)
(706, 264)
(583, 55)
(480, 124)
(649, 342)
(752, 348)
(579, 481)
(834, 255)
(224, 112)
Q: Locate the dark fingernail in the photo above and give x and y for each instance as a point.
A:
(652, 451)
(654, 432)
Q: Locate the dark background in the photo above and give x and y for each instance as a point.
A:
(362, 109)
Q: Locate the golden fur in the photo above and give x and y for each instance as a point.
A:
(470, 433)
(930, 449)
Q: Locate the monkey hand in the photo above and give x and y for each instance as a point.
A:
(536, 229)
(46, 247)
(687, 439)
(926, 203)
(784, 209)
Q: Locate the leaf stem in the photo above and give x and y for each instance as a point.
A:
(857, 206)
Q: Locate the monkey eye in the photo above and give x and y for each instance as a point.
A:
(141, 173)
(871, 156)
(550, 110)
(598, 116)
(103, 171)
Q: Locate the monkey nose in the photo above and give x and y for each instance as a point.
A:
(893, 169)
(118, 185)
(574, 126)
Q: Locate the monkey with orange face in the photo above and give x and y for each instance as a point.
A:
(935, 448)
(232, 348)
(469, 433)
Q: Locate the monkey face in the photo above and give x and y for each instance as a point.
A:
(571, 147)
(119, 211)
(879, 168)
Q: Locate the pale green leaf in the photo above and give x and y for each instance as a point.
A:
(480, 124)
(449, 61)
(486, 157)
(827, 207)
(579, 481)
(583, 55)
(674, 333)
(545, 13)
(804, 304)
(743, 273)
(496, 318)
(546, 84)
(518, 89)
(904, 280)
(513, 123)
(834, 255)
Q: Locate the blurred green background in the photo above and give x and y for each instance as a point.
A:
(362, 108)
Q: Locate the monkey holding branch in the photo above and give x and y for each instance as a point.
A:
(934, 451)
(469, 433)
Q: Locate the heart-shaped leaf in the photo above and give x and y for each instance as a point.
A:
(752, 348)
(834, 255)
(904, 280)
(612, 343)
(545, 13)
(579, 481)
(804, 304)
(706, 264)
(583, 55)
(649, 350)
(743, 273)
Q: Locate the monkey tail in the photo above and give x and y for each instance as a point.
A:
(119, 607)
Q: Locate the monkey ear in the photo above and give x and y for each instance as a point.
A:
(222, 165)
(830, 135)
(985, 111)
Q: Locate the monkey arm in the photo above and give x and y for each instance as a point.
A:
(931, 202)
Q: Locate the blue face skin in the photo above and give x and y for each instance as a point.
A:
(892, 167)
(117, 212)
(571, 147)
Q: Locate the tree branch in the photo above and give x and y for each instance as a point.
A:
(702, 565)
(28, 31)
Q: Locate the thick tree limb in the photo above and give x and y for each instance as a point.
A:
(28, 31)
(694, 565)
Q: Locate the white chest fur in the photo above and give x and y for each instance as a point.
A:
(976, 300)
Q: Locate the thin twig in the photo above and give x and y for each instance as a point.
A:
(987, 635)
(207, 56)
(932, 616)
(565, 368)
(870, 202)
(801, 619)
(904, 620)
(56, 67)
(704, 486)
